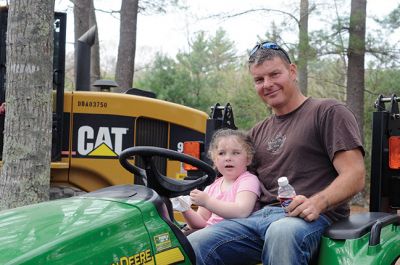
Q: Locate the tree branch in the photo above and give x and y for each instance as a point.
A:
(227, 16)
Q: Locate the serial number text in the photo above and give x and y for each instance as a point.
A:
(92, 104)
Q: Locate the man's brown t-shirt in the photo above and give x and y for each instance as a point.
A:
(301, 146)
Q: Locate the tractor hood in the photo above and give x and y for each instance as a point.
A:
(89, 230)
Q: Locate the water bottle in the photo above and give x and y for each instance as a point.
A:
(285, 192)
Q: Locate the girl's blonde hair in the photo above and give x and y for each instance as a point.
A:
(242, 137)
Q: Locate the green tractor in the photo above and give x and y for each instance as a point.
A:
(125, 224)
(134, 224)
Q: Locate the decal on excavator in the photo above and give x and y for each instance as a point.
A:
(101, 136)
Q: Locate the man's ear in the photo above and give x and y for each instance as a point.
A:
(293, 71)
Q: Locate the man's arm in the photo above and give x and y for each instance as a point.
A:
(350, 181)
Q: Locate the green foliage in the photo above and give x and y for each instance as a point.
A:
(239, 91)
(327, 78)
(149, 7)
(391, 21)
(193, 78)
(210, 73)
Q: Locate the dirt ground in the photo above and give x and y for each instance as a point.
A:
(358, 209)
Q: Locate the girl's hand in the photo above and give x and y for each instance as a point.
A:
(199, 197)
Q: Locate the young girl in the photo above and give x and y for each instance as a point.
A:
(234, 194)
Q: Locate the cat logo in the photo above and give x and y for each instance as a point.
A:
(101, 136)
(105, 141)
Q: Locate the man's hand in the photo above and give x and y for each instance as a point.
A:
(199, 197)
(307, 208)
(350, 167)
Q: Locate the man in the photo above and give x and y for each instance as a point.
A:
(316, 144)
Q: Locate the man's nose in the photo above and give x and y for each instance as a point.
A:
(267, 83)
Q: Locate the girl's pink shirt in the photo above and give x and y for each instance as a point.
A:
(245, 182)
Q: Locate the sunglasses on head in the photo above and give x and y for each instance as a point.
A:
(269, 45)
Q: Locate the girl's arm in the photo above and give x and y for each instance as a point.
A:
(242, 207)
(197, 219)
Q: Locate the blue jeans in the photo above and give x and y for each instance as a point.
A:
(267, 235)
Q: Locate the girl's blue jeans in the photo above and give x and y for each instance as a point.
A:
(266, 236)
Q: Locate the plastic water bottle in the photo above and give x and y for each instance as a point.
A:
(286, 192)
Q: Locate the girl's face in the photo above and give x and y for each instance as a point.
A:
(230, 157)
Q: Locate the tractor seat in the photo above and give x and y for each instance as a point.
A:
(360, 224)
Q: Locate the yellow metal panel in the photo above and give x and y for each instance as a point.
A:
(138, 106)
(67, 101)
(59, 165)
(171, 256)
(174, 169)
(92, 174)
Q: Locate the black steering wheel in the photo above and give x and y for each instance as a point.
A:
(164, 185)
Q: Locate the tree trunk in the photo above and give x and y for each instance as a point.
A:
(303, 47)
(95, 53)
(127, 45)
(356, 54)
(81, 19)
(84, 19)
(25, 175)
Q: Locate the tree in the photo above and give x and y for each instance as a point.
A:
(196, 78)
(356, 55)
(124, 73)
(393, 19)
(209, 73)
(25, 175)
(385, 49)
(81, 18)
(222, 52)
(95, 52)
(127, 44)
(82, 23)
(303, 47)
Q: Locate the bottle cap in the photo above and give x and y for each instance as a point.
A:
(283, 181)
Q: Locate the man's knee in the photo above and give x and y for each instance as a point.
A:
(285, 229)
(290, 240)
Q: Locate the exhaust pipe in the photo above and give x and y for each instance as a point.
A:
(82, 64)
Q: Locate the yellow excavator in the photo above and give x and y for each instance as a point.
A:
(91, 128)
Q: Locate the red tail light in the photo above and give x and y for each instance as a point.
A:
(394, 152)
(192, 149)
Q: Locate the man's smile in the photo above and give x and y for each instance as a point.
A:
(269, 93)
